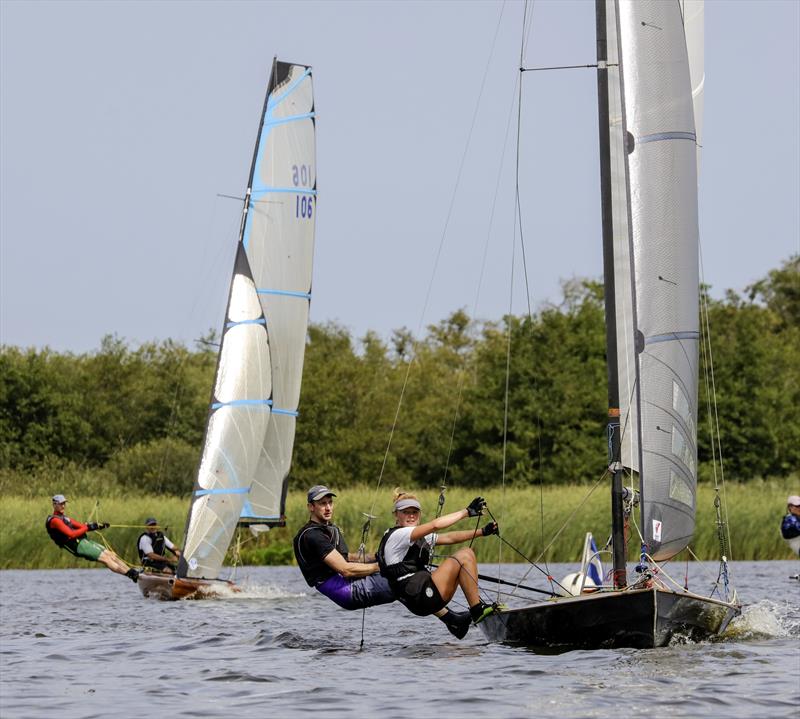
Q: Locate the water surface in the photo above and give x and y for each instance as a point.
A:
(85, 643)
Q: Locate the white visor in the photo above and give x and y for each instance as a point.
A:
(401, 504)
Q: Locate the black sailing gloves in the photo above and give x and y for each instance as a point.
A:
(475, 507)
(95, 526)
(491, 528)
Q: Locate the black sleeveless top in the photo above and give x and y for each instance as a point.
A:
(312, 543)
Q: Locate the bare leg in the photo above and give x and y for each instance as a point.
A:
(459, 569)
(113, 562)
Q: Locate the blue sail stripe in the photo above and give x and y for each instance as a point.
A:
(242, 403)
(275, 100)
(293, 190)
(260, 321)
(658, 136)
(285, 293)
(289, 412)
(672, 336)
(284, 120)
(222, 490)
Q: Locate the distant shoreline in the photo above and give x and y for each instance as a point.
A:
(754, 513)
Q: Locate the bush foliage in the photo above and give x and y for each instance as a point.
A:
(122, 419)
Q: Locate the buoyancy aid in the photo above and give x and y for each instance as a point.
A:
(158, 540)
(61, 539)
(416, 558)
(790, 527)
(313, 567)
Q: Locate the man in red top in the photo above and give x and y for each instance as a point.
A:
(70, 534)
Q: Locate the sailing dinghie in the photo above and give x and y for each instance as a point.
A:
(243, 473)
(649, 114)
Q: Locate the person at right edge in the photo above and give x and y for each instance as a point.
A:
(404, 554)
(790, 526)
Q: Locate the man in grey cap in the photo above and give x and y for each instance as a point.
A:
(153, 546)
(351, 581)
(70, 534)
(790, 526)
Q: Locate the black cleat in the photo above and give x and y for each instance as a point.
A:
(133, 575)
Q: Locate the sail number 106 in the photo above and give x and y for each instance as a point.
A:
(304, 204)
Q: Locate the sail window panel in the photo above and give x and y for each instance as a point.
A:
(684, 450)
(295, 95)
(667, 379)
(659, 462)
(685, 408)
(244, 305)
(656, 67)
(243, 372)
(679, 490)
(273, 466)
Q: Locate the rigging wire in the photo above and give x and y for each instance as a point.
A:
(527, 24)
(439, 249)
(723, 528)
(415, 343)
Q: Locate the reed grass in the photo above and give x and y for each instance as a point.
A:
(754, 513)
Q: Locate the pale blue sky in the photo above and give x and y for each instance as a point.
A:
(121, 121)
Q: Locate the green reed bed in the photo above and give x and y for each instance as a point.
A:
(754, 513)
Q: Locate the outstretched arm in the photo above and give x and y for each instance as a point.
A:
(77, 532)
(443, 522)
(448, 520)
(465, 536)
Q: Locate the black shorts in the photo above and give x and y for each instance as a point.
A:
(420, 595)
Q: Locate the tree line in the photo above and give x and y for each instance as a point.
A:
(135, 416)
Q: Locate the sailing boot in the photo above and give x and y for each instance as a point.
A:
(133, 575)
(457, 623)
(480, 611)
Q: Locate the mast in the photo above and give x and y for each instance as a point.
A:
(615, 463)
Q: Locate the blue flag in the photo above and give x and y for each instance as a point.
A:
(594, 568)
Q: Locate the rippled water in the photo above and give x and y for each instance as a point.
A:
(85, 643)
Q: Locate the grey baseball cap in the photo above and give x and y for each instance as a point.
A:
(59, 498)
(318, 491)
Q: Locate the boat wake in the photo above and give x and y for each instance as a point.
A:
(765, 619)
(251, 590)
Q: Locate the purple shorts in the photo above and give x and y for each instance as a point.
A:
(357, 593)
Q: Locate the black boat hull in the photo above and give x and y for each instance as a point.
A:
(638, 618)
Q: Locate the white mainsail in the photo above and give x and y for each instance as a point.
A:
(657, 267)
(279, 240)
(250, 432)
